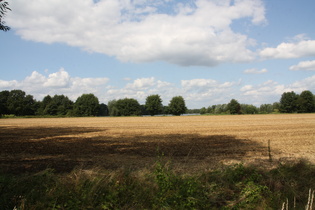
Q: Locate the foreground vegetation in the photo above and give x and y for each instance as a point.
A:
(229, 187)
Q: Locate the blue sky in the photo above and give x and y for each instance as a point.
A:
(208, 51)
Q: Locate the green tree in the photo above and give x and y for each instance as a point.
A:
(43, 104)
(165, 110)
(177, 106)
(249, 109)
(153, 104)
(19, 104)
(144, 110)
(220, 108)
(266, 108)
(4, 95)
(276, 107)
(305, 102)
(86, 105)
(30, 105)
(63, 103)
(128, 107)
(103, 110)
(211, 109)
(112, 108)
(4, 7)
(234, 107)
(288, 102)
(203, 110)
(57, 105)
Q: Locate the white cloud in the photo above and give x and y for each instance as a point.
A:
(304, 65)
(284, 50)
(271, 91)
(199, 83)
(207, 91)
(35, 78)
(59, 79)
(267, 88)
(305, 84)
(197, 33)
(255, 71)
(143, 87)
(196, 92)
(142, 83)
(246, 88)
(56, 83)
(8, 84)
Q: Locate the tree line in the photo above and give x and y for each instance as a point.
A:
(290, 102)
(18, 103)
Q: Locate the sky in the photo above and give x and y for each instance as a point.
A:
(208, 51)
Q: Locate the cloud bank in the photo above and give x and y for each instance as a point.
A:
(180, 32)
(196, 92)
(59, 82)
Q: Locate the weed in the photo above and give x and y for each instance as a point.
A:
(230, 187)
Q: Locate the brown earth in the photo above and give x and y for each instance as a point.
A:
(190, 143)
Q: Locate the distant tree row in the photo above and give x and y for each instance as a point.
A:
(18, 103)
(152, 106)
(234, 107)
(290, 102)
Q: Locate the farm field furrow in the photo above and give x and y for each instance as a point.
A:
(189, 142)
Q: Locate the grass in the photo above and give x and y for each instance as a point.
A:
(228, 187)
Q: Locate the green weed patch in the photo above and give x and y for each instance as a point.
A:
(230, 187)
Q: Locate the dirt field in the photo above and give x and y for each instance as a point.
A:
(190, 142)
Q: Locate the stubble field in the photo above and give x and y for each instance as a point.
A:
(191, 143)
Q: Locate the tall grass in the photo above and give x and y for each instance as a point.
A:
(160, 187)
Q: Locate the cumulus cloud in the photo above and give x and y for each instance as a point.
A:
(269, 87)
(141, 88)
(56, 83)
(142, 83)
(58, 79)
(255, 71)
(196, 92)
(208, 91)
(304, 65)
(285, 50)
(205, 92)
(267, 92)
(271, 91)
(8, 84)
(304, 84)
(184, 33)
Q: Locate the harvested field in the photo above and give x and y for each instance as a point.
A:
(190, 142)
